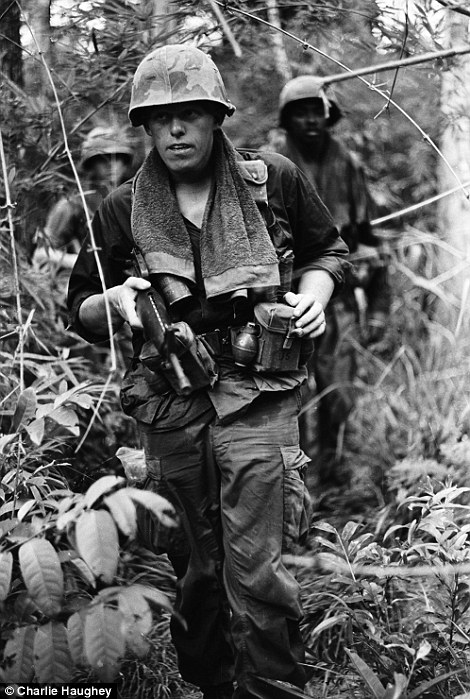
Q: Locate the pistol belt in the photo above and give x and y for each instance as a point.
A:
(219, 341)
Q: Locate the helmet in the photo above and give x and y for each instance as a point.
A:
(105, 140)
(308, 87)
(174, 74)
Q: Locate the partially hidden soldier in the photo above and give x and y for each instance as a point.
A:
(306, 115)
(222, 263)
(106, 161)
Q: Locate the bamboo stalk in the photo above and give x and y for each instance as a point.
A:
(322, 563)
(390, 65)
(419, 205)
(225, 26)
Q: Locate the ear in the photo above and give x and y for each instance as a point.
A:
(147, 130)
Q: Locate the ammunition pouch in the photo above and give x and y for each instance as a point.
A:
(278, 349)
(196, 362)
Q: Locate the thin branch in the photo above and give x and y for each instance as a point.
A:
(454, 8)
(402, 50)
(9, 206)
(78, 126)
(38, 60)
(307, 45)
(398, 63)
(16, 289)
(419, 205)
(323, 563)
(6, 10)
(226, 28)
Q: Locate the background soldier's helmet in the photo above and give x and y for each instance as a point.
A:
(308, 87)
(174, 74)
(105, 140)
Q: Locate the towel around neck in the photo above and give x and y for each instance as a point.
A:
(236, 250)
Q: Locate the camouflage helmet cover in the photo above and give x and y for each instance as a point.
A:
(173, 74)
(308, 87)
(105, 140)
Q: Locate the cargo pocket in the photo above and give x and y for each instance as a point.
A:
(297, 504)
(151, 533)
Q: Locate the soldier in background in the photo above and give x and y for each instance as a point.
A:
(306, 114)
(108, 158)
(106, 162)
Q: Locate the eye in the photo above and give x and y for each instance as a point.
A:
(160, 117)
(191, 113)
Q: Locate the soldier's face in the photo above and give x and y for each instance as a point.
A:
(183, 135)
(108, 170)
(306, 121)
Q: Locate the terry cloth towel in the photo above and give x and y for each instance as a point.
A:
(236, 250)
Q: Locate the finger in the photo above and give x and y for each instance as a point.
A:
(137, 283)
(314, 327)
(318, 331)
(304, 304)
(312, 314)
(313, 330)
(127, 307)
(291, 299)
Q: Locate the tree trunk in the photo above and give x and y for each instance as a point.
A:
(280, 55)
(10, 43)
(162, 24)
(38, 15)
(454, 210)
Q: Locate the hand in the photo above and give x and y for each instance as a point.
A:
(309, 313)
(122, 299)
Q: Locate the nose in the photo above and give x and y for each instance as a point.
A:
(176, 126)
(313, 117)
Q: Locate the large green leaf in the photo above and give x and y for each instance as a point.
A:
(84, 571)
(25, 409)
(101, 486)
(64, 416)
(4, 440)
(104, 640)
(137, 619)
(154, 595)
(98, 543)
(75, 634)
(155, 503)
(52, 659)
(19, 651)
(123, 511)
(6, 564)
(36, 430)
(42, 574)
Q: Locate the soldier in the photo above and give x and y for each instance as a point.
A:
(106, 161)
(212, 226)
(307, 113)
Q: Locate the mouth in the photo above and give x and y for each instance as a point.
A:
(179, 147)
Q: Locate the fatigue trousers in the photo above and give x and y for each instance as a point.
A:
(239, 492)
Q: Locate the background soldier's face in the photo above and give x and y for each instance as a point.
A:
(306, 121)
(183, 135)
(108, 170)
